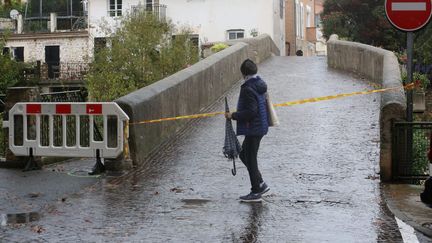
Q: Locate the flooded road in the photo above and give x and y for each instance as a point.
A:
(321, 163)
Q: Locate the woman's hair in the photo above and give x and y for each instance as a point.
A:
(248, 67)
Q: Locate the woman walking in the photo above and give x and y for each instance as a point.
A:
(252, 122)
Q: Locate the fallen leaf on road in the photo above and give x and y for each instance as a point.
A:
(177, 190)
(34, 194)
(37, 229)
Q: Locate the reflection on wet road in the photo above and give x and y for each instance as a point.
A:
(321, 165)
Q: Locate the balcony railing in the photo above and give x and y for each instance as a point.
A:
(67, 72)
(159, 10)
(6, 24)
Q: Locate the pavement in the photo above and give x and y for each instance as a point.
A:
(404, 202)
(321, 163)
(25, 196)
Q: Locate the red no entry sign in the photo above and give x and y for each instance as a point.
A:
(409, 15)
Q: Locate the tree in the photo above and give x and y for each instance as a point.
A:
(361, 21)
(423, 44)
(365, 21)
(140, 51)
(10, 70)
(8, 5)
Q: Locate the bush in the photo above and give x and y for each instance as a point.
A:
(420, 149)
(141, 51)
(219, 47)
(422, 79)
(10, 70)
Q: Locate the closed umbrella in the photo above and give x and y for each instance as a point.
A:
(232, 147)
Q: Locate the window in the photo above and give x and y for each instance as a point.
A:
(149, 5)
(235, 34)
(302, 21)
(16, 53)
(297, 14)
(99, 44)
(308, 17)
(19, 54)
(317, 20)
(115, 8)
(6, 51)
(281, 8)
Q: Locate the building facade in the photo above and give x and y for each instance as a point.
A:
(222, 20)
(63, 43)
(302, 26)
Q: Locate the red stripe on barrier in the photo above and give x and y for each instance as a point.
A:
(94, 108)
(33, 108)
(63, 109)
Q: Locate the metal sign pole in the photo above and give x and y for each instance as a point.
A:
(410, 47)
(409, 116)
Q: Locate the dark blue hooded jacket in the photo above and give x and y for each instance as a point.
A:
(251, 115)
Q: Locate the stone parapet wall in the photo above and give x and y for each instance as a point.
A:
(187, 92)
(380, 66)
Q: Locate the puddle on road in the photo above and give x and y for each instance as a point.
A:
(18, 218)
(192, 203)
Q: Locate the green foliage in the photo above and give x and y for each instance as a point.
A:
(423, 44)
(422, 79)
(7, 6)
(421, 146)
(362, 21)
(141, 51)
(219, 47)
(2, 141)
(10, 70)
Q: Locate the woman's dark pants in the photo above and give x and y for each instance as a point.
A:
(248, 156)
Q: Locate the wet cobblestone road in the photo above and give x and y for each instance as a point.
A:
(321, 165)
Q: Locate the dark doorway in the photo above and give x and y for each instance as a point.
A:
(52, 59)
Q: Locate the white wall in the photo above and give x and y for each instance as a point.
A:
(98, 15)
(212, 18)
(72, 50)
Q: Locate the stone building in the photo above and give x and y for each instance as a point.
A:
(54, 44)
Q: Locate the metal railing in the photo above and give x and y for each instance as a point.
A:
(69, 96)
(410, 163)
(66, 71)
(159, 10)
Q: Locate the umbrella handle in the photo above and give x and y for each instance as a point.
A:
(234, 170)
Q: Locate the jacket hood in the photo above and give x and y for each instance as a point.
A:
(257, 84)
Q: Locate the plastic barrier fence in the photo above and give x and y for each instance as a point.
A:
(67, 129)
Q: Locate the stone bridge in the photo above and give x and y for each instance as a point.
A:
(322, 163)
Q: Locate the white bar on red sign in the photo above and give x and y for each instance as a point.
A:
(408, 6)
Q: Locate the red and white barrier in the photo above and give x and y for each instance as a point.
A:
(66, 123)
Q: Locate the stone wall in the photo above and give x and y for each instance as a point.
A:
(73, 45)
(186, 92)
(380, 66)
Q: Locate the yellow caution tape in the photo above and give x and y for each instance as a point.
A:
(203, 115)
(290, 103)
(332, 97)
